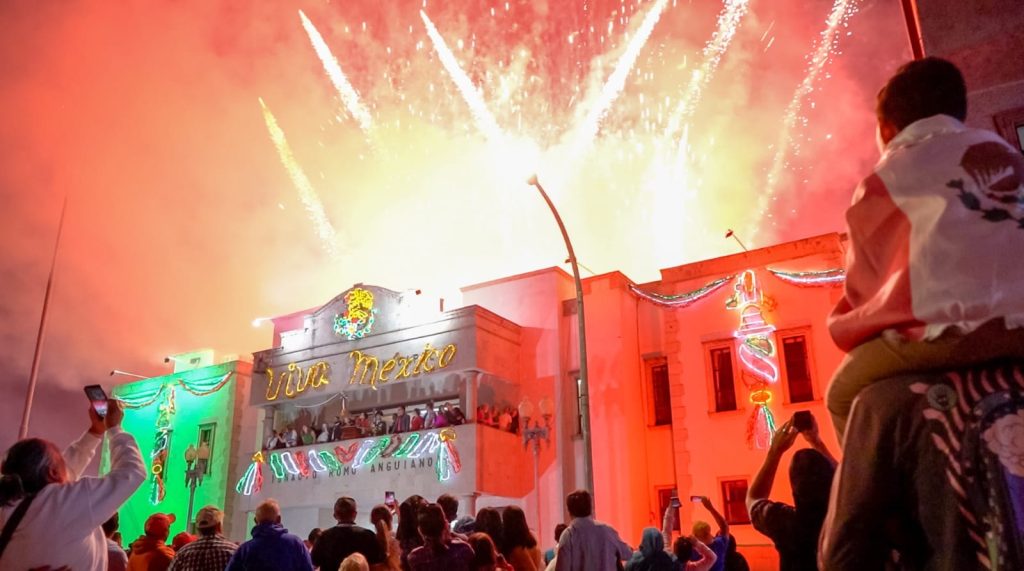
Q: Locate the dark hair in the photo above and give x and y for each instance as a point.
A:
(450, 505)
(920, 89)
(29, 466)
(810, 475)
(682, 549)
(111, 525)
(381, 518)
(314, 534)
(433, 526)
(488, 521)
(408, 511)
(559, 530)
(580, 504)
(345, 509)
(483, 547)
(517, 532)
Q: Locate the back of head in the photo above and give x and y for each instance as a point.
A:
(380, 517)
(432, 524)
(483, 547)
(559, 530)
(314, 535)
(408, 514)
(158, 526)
(488, 521)
(355, 562)
(702, 531)
(111, 525)
(651, 542)
(30, 465)
(268, 512)
(810, 475)
(181, 540)
(450, 505)
(345, 510)
(920, 89)
(580, 504)
(682, 549)
(209, 521)
(517, 532)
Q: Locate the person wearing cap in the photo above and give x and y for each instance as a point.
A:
(150, 552)
(211, 551)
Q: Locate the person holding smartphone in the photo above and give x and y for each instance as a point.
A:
(56, 512)
(794, 528)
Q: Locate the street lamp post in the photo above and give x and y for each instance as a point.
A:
(196, 462)
(534, 434)
(584, 386)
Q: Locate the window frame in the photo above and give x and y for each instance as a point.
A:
(742, 501)
(650, 364)
(780, 337)
(709, 375)
(576, 379)
(212, 426)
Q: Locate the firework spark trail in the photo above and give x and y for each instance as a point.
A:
(483, 117)
(307, 194)
(842, 10)
(728, 22)
(617, 80)
(349, 96)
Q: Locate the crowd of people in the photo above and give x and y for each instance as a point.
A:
(898, 500)
(367, 423)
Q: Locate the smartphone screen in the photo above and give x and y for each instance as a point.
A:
(389, 499)
(98, 398)
(696, 499)
(675, 502)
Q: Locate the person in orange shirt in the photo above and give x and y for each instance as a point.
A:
(150, 552)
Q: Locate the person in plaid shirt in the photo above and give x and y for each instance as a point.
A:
(211, 552)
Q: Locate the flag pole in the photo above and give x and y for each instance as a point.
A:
(34, 374)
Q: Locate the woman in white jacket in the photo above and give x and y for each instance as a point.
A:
(61, 527)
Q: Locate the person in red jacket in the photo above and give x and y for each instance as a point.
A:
(151, 552)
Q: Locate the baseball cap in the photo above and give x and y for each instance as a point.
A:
(209, 517)
(158, 525)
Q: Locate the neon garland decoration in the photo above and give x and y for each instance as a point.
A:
(757, 353)
(161, 446)
(684, 299)
(357, 320)
(301, 464)
(831, 277)
(195, 389)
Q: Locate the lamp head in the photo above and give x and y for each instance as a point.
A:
(532, 181)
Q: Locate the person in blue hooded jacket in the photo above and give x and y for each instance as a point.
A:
(271, 548)
(652, 555)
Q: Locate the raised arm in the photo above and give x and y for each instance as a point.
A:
(761, 487)
(707, 557)
(89, 502)
(668, 524)
(80, 453)
(723, 526)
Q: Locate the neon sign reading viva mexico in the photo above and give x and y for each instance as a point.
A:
(366, 370)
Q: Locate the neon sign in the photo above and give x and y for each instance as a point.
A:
(757, 353)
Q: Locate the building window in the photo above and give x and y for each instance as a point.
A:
(723, 381)
(206, 435)
(661, 396)
(734, 500)
(797, 367)
(577, 384)
(665, 496)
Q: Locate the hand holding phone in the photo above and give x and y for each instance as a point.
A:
(803, 420)
(697, 499)
(675, 503)
(98, 399)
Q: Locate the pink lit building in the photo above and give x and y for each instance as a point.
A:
(678, 368)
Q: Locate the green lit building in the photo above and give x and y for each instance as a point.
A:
(190, 418)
